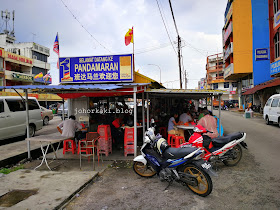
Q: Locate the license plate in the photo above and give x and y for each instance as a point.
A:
(206, 165)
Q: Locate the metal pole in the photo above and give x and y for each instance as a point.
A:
(219, 115)
(135, 120)
(148, 110)
(179, 60)
(27, 123)
(212, 103)
(143, 115)
(63, 109)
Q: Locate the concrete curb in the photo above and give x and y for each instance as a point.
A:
(64, 203)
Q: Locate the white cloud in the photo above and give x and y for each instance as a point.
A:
(199, 23)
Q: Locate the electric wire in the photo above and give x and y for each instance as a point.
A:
(165, 27)
(84, 27)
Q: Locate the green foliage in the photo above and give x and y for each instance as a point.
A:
(9, 170)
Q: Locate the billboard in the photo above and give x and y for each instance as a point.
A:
(96, 69)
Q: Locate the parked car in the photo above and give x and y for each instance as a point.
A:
(271, 111)
(60, 110)
(13, 116)
(47, 115)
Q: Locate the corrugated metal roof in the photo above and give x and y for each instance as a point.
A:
(187, 91)
(75, 87)
(270, 83)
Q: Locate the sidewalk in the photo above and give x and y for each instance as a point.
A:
(45, 189)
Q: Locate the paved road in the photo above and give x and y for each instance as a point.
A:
(263, 140)
(253, 184)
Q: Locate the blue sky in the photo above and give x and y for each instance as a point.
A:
(199, 24)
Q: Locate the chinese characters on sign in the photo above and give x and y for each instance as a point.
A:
(113, 68)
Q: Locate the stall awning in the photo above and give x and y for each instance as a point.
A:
(270, 83)
(185, 93)
(87, 90)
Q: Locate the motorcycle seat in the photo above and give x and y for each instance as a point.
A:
(175, 153)
(221, 141)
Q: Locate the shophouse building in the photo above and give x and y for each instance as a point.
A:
(246, 46)
(216, 80)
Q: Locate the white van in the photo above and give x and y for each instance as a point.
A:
(13, 116)
(271, 111)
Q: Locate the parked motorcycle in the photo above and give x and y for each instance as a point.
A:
(184, 165)
(224, 149)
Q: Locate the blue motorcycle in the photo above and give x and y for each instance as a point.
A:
(184, 165)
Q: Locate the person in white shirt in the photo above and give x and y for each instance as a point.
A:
(185, 117)
(69, 127)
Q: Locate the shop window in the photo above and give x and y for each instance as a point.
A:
(215, 86)
(226, 85)
(276, 45)
(275, 6)
(234, 84)
(1, 106)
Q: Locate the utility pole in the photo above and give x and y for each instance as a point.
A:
(179, 60)
(186, 80)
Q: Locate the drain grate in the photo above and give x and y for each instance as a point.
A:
(15, 196)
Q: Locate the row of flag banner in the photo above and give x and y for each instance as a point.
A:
(128, 38)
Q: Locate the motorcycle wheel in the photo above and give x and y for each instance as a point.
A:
(204, 186)
(237, 152)
(143, 170)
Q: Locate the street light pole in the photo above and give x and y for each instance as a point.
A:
(159, 71)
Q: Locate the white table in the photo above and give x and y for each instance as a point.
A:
(186, 127)
(49, 140)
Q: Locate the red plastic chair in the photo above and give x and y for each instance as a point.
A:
(69, 147)
(128, 141)
(170, 136)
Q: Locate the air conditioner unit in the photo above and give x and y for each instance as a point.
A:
(34, 57)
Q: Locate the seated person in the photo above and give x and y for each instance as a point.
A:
(185, 117)
(210, 123)
(171, 123)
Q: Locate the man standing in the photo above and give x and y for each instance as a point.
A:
(69, 127)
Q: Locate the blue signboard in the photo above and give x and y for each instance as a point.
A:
(262, 54)
(96, 69)
(275, 68)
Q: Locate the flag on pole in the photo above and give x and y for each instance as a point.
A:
(128, 37)
(56, 48)
(40, 75)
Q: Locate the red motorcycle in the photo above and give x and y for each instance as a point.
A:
(224, 149)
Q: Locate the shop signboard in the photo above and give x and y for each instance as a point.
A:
(22, 77)
(18, 59)
(228, 15)
(227, 32)
(262, 54)
(276, 20)
(275, 68)
(96, 69)
(228, 71)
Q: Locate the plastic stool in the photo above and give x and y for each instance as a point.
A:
(67, 147)
(176, 141)
(169, 138)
